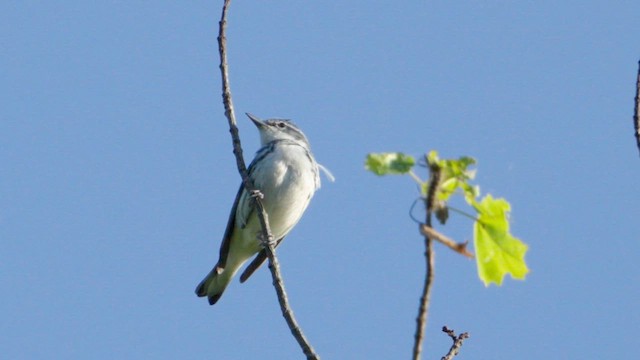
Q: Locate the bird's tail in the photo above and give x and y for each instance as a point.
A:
(213, 285)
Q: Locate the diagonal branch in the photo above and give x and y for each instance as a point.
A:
(636, 113)
(267, 237)
(425, 299)
(460, 248)
(457, 342)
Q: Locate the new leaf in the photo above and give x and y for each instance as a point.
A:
(389, 163)
(497, 251)
(455, 175)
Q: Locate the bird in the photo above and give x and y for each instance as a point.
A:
(287, 176)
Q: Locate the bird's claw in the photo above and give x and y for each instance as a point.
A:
(270, 241)
(257, 194)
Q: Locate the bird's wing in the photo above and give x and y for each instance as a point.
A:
(231, 224)
(243, 207)
(256, 262)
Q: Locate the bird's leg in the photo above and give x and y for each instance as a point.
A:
(257, 194)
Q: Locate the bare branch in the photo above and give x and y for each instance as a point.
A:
(228, 101)
(278, 283)
(267, 237)
(457, 343)
(636, 113)
(460, 248)
(425, 299)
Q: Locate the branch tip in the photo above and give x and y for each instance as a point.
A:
(457, 342)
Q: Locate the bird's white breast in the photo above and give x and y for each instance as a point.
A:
(288, 178)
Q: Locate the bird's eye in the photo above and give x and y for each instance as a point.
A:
(281, 125)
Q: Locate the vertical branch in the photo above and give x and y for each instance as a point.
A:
(425, 299)
(267, 237)
(636, 113)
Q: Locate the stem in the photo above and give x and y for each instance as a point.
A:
(415, 177)
(460, 248)
(636, 113)
(425, 298)
(463, 213)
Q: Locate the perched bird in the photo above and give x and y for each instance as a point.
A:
(287, 175)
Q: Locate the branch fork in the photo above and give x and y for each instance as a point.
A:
(457, 342)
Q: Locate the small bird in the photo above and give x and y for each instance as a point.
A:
(287, 175)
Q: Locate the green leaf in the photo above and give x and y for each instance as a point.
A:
(455, 174)
(458, 168)
(497, 251)
(389, 163)
(471, 192)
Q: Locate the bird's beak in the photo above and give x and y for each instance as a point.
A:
(256, 120)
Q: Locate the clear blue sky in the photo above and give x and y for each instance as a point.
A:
(117, 176)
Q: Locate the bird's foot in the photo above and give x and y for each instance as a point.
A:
(257, 194)
(269, 242)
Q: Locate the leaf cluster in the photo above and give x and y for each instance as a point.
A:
(498, 252)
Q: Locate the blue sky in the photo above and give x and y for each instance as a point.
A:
(117, 175)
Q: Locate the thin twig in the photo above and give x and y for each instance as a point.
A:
(425, 299)
(267, 237)
(636, 113)
(460, 248)
(463, 213)
(415, 177)
(457, 342)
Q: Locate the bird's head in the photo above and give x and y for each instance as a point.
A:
(278, 129)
